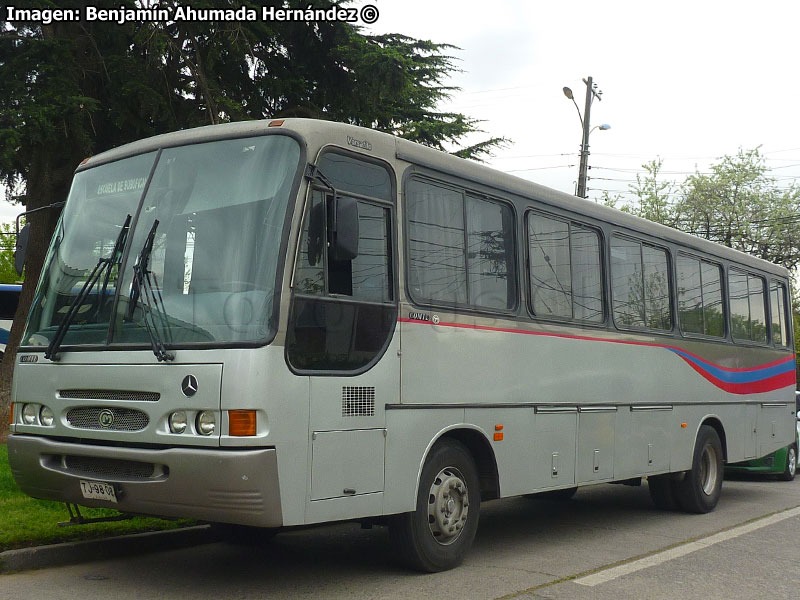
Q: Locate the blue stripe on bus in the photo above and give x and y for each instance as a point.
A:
(738, 376)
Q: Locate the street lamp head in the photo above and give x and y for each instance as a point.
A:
(568, 93)
(603, 127)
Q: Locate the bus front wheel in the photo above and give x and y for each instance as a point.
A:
(438, 534)
(700, 488)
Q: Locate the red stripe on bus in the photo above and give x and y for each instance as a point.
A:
(769, 384)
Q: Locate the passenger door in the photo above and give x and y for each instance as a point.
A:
(341, 325)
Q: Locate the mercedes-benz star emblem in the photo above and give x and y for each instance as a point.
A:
(106, 418)
(189, 385)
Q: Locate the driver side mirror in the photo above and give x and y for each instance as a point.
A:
(343, 228)
(21, 248)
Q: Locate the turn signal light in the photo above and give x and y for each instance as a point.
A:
(11, 414)
(276, 123)
(241, 422)
(498, 435)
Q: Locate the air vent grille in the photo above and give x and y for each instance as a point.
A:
(107, 468)
(125, 395)
(358, 401)
(105, 419)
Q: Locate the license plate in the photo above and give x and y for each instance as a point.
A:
(98, 490)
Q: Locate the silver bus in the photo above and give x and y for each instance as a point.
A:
(288, 322)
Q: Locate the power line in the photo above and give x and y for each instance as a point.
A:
(539, 168)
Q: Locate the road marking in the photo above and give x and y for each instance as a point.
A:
(672, 553)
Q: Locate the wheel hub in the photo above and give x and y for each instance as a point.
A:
(448, 506)
(708, 470)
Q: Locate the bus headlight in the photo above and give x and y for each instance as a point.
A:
(46, 416)
(177, 422)
(206, 422)
(30, 413)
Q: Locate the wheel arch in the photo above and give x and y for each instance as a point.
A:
(715, 423)
(477, 444)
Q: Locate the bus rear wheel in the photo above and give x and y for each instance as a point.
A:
(700, 488)
(438, 534)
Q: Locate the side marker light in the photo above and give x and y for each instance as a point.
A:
(498, 436)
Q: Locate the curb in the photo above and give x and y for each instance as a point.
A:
(68, 553)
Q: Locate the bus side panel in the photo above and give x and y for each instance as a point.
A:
(514, 446)
(411, 433)
(260, 379)
(596, 443)
(775, 425)
(486, 361)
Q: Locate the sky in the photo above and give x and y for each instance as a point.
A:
(687, 82)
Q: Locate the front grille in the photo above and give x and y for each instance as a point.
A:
(125, 395)
(105, 419)
(358, 401)
(108, 468)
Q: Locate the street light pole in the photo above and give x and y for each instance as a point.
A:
(584, 168)
(591, 93)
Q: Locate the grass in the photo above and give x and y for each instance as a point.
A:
(25, 521)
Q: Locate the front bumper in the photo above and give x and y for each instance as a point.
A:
(229, 486)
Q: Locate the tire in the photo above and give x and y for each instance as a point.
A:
(662, 492)
(700, 488)
(791, 464)
(438, 534)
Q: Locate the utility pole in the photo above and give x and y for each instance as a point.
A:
(592, 93)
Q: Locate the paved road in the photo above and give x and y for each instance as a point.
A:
(524, 549)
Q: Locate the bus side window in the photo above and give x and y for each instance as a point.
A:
(748, 306)
(564, 269)
(640, 285)
(780, 333)
(460, 248)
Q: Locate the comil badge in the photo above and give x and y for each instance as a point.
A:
(106, 418)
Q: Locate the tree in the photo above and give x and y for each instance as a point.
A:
(8, 274)
(737, 204)
(653, 196)
(71, 89)
(740, 205)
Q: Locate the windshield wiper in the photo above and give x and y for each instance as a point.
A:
(145, 288)
(104, 265)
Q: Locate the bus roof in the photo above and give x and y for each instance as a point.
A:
(318, 133)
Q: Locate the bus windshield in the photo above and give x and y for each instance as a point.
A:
(215, 212)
